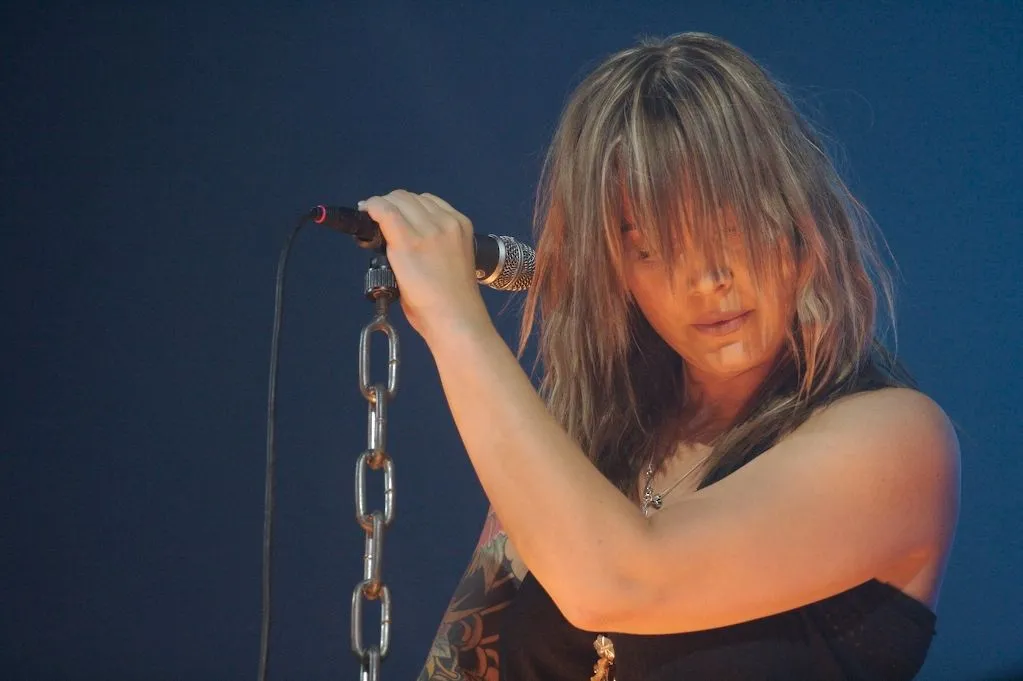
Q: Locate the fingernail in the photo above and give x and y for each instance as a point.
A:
(360, 205)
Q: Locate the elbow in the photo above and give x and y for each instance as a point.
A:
(584, 617)
(611, 603)
(588, 601)
(597, 615)
(611, 609)
(620, 594)
(618, 585)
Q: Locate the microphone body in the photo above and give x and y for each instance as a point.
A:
(502, 263)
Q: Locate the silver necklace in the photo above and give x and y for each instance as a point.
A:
(657, 500)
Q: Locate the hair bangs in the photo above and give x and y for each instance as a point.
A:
(684, 176)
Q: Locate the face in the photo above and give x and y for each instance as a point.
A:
(683, 307)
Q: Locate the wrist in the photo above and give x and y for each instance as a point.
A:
(452, 333)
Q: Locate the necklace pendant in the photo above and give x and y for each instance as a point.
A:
(651, 503)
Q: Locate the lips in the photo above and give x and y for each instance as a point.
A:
(718, 317)
(728, 324)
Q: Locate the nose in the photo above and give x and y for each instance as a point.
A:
(710, 280)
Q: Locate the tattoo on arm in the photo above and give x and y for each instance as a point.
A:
(466, 645)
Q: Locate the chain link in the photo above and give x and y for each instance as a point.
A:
(381, 288)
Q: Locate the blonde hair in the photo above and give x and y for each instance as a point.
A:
(683, 128)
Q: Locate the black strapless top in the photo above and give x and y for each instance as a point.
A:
(872, 631)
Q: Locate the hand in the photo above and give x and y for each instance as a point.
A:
(430, 249)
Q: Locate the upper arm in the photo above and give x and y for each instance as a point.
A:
(467, 640)
(870, 481)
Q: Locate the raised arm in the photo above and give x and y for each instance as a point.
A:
(466, 645)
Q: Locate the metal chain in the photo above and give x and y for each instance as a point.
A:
(382, 288)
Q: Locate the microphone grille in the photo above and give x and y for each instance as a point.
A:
(516, 270)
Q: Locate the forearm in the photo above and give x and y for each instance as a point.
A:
(570, 525)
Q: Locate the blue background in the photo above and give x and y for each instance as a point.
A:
(155, 157)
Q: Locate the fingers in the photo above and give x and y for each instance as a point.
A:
(396, 216)
(403, 214)
(443, 205)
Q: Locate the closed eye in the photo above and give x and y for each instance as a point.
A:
(634, 242)
(642, 255)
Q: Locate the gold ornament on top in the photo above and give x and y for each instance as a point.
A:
(603, 670)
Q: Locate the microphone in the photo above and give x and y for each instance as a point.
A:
(502, 263)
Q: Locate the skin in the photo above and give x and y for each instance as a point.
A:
(867, 488)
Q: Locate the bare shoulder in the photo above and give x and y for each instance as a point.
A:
(906, 415)
(904, 400)
(897, 432)
(901, 425)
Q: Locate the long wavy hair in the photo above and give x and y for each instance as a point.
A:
(684, 128)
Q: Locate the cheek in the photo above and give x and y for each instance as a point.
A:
(659, 309)
(649, 306)
(643, 288)
(769, 333)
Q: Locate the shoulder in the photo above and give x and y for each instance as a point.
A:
(897, 440)
(876, 456)
(900, 419)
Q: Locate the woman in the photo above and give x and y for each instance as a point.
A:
(725, 475)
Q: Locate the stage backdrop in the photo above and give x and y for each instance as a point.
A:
(154, 158)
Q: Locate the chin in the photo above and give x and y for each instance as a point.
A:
(732, 362)
(734, 357)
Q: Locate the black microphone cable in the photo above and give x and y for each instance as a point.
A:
(271, 450)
